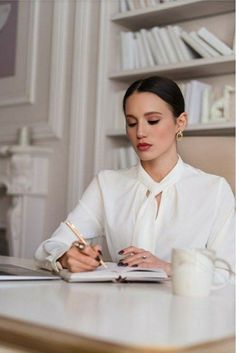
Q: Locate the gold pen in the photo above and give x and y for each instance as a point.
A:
(80, 237)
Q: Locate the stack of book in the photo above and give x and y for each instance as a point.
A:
(131, 5)
(168, 45)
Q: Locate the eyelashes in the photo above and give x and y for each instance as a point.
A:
(153, 122)
(150, 122)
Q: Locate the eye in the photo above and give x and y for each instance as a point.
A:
(153, 122)
(131, 124)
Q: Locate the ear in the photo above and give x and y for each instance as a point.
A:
(181, 122)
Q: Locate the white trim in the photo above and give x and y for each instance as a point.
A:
(53, 126)
(79, 101)
(99, 151)
(29, 95)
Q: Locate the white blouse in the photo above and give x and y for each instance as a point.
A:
(196, 210)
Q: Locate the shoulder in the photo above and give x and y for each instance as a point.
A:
(208, 181)
(117, 177)
(120, 175)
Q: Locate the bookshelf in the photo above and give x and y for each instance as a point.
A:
(190, 14)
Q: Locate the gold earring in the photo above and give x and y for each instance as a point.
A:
(179, 135)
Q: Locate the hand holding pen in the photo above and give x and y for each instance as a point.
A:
(81, 256)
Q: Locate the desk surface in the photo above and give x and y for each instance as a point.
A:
(143, 314)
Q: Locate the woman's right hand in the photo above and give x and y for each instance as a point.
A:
(76, 260)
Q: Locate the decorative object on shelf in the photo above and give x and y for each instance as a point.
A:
(24, 136)
(222, 108)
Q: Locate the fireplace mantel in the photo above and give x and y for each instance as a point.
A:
(24, 174)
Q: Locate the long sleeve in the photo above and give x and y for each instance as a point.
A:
(222, 238)
(87, 217)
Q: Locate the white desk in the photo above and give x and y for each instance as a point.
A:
(128, 314)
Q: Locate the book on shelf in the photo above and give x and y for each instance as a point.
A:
(211, 51)
(147, 51)
(127, 50)
(162, 57)
(115, 273)
(207, 99)
(194, 96)
(157, 56)
(194, 45)
(214, 41)
(159, 40)
(165, 45)
(168, 45)
(142, 57)
(187, 52)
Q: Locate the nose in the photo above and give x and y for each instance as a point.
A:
(141, 130)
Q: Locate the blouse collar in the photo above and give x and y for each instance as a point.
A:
(155, 187)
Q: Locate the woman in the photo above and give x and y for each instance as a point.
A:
(146, 210)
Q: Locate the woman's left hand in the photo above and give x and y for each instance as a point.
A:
(136, 257)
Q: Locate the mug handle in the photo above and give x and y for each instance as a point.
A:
(226, 268)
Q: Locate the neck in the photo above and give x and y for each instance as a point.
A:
(159, 168)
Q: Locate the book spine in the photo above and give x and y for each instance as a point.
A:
(168, 45)
(160, 53)
(194, 45)
(147, 50)
(175, 43)
(161, 48)
(211, 51)
(153, 47)
(127, 52)
(141, 51)
(214, 41)
(187, 52)
(123, 6)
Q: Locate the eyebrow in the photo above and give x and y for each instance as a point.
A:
(145, 114)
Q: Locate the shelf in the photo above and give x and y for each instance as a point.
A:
(189, 69)
(211, 129)
(176, 11)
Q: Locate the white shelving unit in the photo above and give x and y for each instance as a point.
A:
(111, 79)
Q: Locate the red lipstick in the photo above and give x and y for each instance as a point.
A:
(143, 146)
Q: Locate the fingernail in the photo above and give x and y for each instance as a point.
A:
(120, 263)
(134, 265)
(97, 259)
(100, 252)
(121, 252)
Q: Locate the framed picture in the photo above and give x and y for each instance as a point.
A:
(17, 23)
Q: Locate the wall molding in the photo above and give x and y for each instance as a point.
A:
(52, 126)
(79, 101)
(28, 96)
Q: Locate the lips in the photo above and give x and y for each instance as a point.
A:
(143, 146)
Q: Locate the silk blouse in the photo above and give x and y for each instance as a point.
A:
(196, 210)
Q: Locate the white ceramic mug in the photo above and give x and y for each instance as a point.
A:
(193, 271)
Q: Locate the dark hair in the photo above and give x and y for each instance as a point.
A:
(163, 87)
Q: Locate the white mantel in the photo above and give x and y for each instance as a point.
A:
(24, 174)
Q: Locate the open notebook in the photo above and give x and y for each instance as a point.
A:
(114, 273)
(10, 272)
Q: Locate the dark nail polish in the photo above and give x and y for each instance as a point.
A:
(98, 259)
(125, 264)
(120, 263)
(121, 252)
(99, 251)
(135, 265)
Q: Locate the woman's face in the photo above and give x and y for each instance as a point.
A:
(151, 126)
